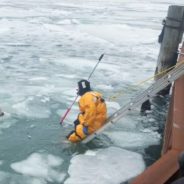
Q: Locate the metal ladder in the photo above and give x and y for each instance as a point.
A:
(160, 84)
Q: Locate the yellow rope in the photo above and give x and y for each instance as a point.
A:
(120, 93)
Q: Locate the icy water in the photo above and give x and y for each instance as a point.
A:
(46, 46)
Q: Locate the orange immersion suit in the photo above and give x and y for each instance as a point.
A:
(93, 114)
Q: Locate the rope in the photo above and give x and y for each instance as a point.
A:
(120, 93)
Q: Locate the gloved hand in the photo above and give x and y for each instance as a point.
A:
(85, 130)
(76, 122)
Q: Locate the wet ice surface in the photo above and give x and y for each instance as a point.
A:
(45, 48)
(104, 166)
(40, 166)
(134, 139)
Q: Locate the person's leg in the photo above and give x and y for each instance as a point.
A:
(77, 135)
(70, 134)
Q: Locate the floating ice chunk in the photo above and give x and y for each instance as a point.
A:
(149, 111)
(3, 30)
(108, 166)
(75, 21)
(123, 125)
(68, 21)
(118, 33)
(54, 28)
(86, 65)
(41, 166)
(32, 107)
(38, 79)
(32, 126)
(113, 105)
(134, 139)
(151, 120)
(146, 130)
(45, 99)
(104, 87)
(29, 136)
(90, 152)
(66, 76)
(5, 25)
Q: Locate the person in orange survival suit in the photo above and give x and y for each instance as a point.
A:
(93, 112)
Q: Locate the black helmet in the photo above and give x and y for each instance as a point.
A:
(83, 87)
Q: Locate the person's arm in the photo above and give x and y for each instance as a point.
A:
(89, 111)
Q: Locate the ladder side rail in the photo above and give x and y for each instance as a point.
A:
(140, 98)
(157, 86)
(168, 79)
(159, 82)
(90, 137)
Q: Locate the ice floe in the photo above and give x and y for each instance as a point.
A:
(134, 139)
(108, 166)
(41, 166)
